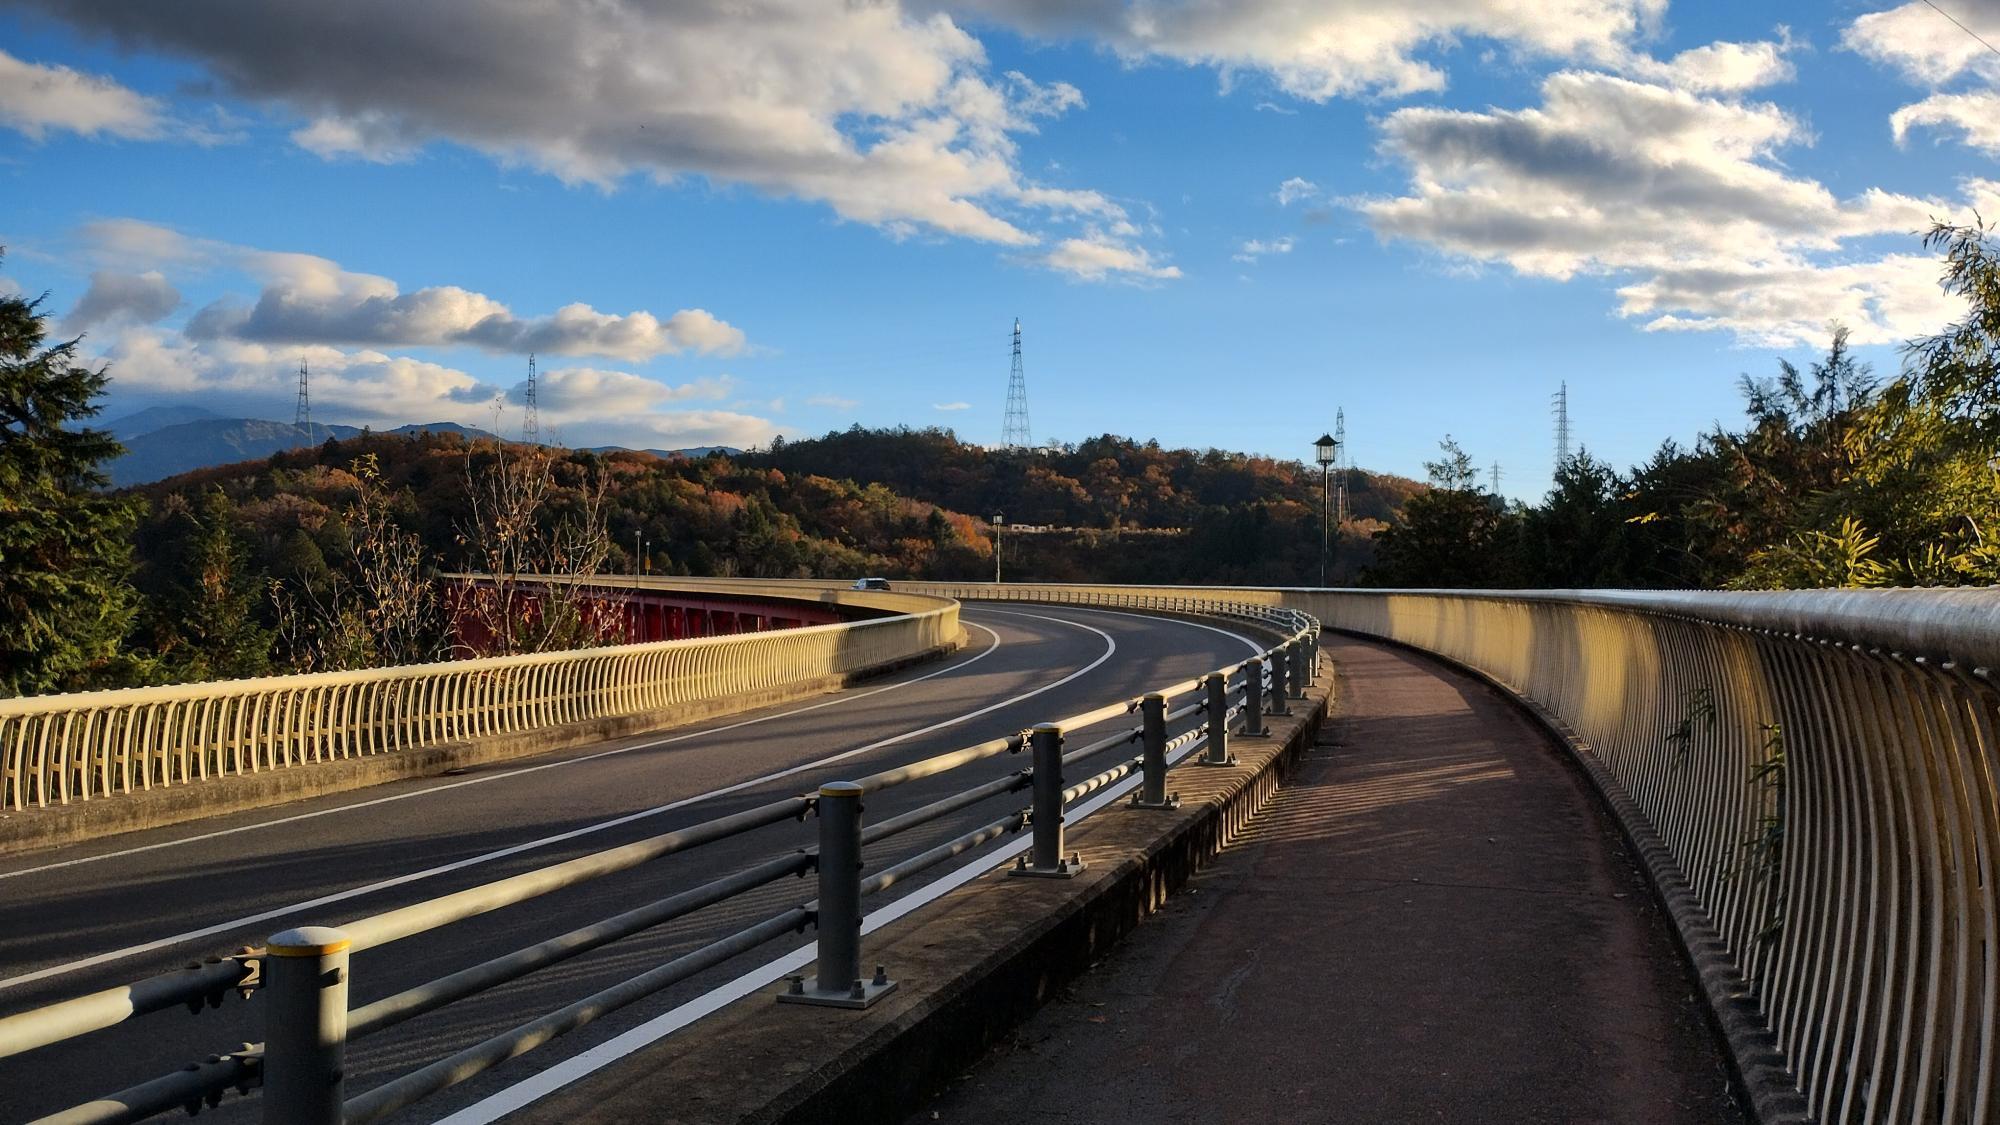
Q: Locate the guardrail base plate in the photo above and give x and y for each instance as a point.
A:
(870, 991)
(1068, 868)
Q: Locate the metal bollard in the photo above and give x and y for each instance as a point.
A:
(1281, 668)
(1253, 698)
(1152, 792)
(839, 983)
(1049, 862)
(1218, 753)
(1300, 676)
(305, 1026)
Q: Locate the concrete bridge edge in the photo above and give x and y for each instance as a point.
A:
(37, 828)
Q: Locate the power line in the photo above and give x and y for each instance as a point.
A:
(1962, 27)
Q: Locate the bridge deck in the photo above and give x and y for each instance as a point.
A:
(1431, 922)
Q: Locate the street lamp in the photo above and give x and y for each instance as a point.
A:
(1324, 451)
(999, 521)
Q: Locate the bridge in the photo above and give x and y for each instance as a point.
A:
(1535, 856)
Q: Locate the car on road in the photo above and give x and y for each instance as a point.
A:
(871, 583)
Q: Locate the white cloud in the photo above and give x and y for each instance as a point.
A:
(1924, 46)
(306, 299)
(1332, 48)
(1294, 190)
(1255, 248)
(832, 402)
(136, 298)
(951, 406)
(891, 118)
(1680, 197)
(1721, 67)
(1974, 117)
(1099, 255)
(589, 406)
(35, 99)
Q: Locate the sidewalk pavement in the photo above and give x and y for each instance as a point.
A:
(1433, 921)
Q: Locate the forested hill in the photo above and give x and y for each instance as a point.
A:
(1105, 482)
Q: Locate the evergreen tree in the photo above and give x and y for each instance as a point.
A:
(204, 601)
(1453, 535)
(66, 598)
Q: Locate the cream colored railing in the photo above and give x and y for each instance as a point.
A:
(1820, 768)
(61, 748)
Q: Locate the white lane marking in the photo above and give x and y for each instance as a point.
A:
(584, 1063)
(484, 778)
(1111, 646)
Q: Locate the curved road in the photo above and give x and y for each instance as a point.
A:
(103, 913)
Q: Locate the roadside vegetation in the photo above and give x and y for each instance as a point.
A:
(327, 556)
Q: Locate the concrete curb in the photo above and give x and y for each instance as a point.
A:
(1762, 1072)
(31, 829)
(969, 967)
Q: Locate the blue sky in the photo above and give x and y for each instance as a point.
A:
(718, 223)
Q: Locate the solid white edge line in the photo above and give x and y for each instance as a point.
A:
(584, 1063)
(1111, 646)
(505, 774)
(1255, 648)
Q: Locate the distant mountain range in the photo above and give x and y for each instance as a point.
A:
(165, 441)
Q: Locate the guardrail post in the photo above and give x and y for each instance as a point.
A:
(1253, 698)
(839, 983)
(1218, 753)
(1047, 818)
(305, 1026)
(1152, 792)
(1281, 667)
(1301, 676)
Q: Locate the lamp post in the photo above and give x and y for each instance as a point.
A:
(635, 552)
(1324, 452)
(999, 521)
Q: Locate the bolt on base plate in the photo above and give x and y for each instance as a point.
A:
(861, 994)
(1064, 869)
(1172, 802)
(1231, 760)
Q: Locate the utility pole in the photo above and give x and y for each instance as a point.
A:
(531, 418)
(1014, 428)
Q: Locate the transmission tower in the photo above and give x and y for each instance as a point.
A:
(1496, 478)
(303, 416)
(1562, 425)
(1014, 431)
(1340, 467)
(531, 415)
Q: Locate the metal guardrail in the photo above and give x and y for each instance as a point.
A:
(90, 744)
(1823, 768)
(305, 971)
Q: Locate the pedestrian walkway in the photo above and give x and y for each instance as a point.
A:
(1431, 922)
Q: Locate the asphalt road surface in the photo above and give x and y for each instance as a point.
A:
(107, 912)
